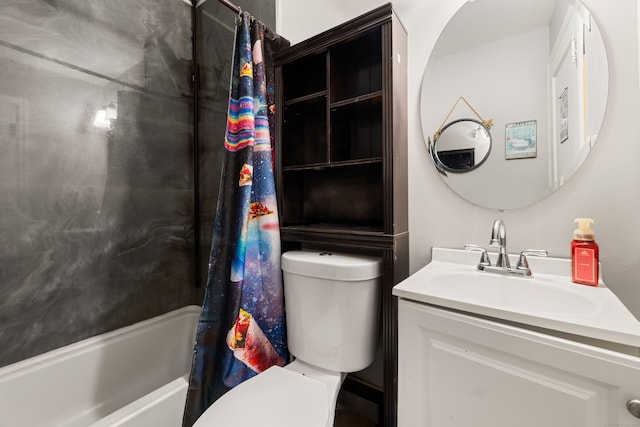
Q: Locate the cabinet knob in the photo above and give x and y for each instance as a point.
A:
(633, 406)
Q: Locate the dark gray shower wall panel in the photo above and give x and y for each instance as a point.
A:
(96, 223)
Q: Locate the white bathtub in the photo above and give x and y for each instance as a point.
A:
(133, 376)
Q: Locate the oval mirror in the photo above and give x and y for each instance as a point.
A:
(461, 146)
(539, 70)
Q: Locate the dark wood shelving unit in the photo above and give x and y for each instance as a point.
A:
(341, 159)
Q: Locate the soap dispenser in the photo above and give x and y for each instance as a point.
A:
(584, 254)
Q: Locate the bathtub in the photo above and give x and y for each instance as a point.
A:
(134, 376)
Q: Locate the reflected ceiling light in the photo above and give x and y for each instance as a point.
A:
(105, 116)
(101, 121)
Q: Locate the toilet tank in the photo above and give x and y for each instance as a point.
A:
(332, 303)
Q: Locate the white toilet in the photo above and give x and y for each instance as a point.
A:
(332, 311)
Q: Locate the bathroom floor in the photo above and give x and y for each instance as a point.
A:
(348, 418)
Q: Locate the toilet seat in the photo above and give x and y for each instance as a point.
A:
(277, 397)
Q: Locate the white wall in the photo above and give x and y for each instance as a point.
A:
(606, 188)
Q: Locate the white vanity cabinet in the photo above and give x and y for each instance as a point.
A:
(457, 369)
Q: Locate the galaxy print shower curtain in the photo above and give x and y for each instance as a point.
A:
(241, 331)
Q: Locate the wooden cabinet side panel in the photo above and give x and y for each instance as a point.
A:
(399, 178)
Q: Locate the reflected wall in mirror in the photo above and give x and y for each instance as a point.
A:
(521, 61)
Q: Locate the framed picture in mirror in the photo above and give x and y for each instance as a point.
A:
(563, 109)
(521, 140)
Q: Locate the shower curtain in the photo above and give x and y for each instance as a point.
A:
(241, 331)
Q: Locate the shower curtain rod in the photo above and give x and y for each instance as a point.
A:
(231, 6)
(226, 3)
(238, 10)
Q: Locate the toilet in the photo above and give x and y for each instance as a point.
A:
(332, 305)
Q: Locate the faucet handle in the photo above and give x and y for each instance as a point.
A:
(523, 264)
(484, 257)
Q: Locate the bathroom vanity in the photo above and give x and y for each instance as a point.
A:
(480, 349)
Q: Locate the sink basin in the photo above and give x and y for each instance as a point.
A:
(548, 300)
(542, 295)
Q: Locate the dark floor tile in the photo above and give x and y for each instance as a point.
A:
(348, 418)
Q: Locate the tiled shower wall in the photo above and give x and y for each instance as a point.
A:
(97, 216)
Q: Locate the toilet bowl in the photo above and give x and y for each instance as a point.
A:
(332, 309)
(278, 397)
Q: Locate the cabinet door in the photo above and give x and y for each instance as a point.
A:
(458, 370)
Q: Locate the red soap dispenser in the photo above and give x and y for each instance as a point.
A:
(584, 254)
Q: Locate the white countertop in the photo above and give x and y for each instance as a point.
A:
(548, 300)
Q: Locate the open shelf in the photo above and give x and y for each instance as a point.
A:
(352, 100)
(304, 129)
(356, 130)
(337, 196)
(307, 75)
(356, 66)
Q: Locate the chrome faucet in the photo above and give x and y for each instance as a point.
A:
(499, 239)
(503, 266)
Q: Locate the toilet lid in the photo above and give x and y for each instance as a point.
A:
(277, 397)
